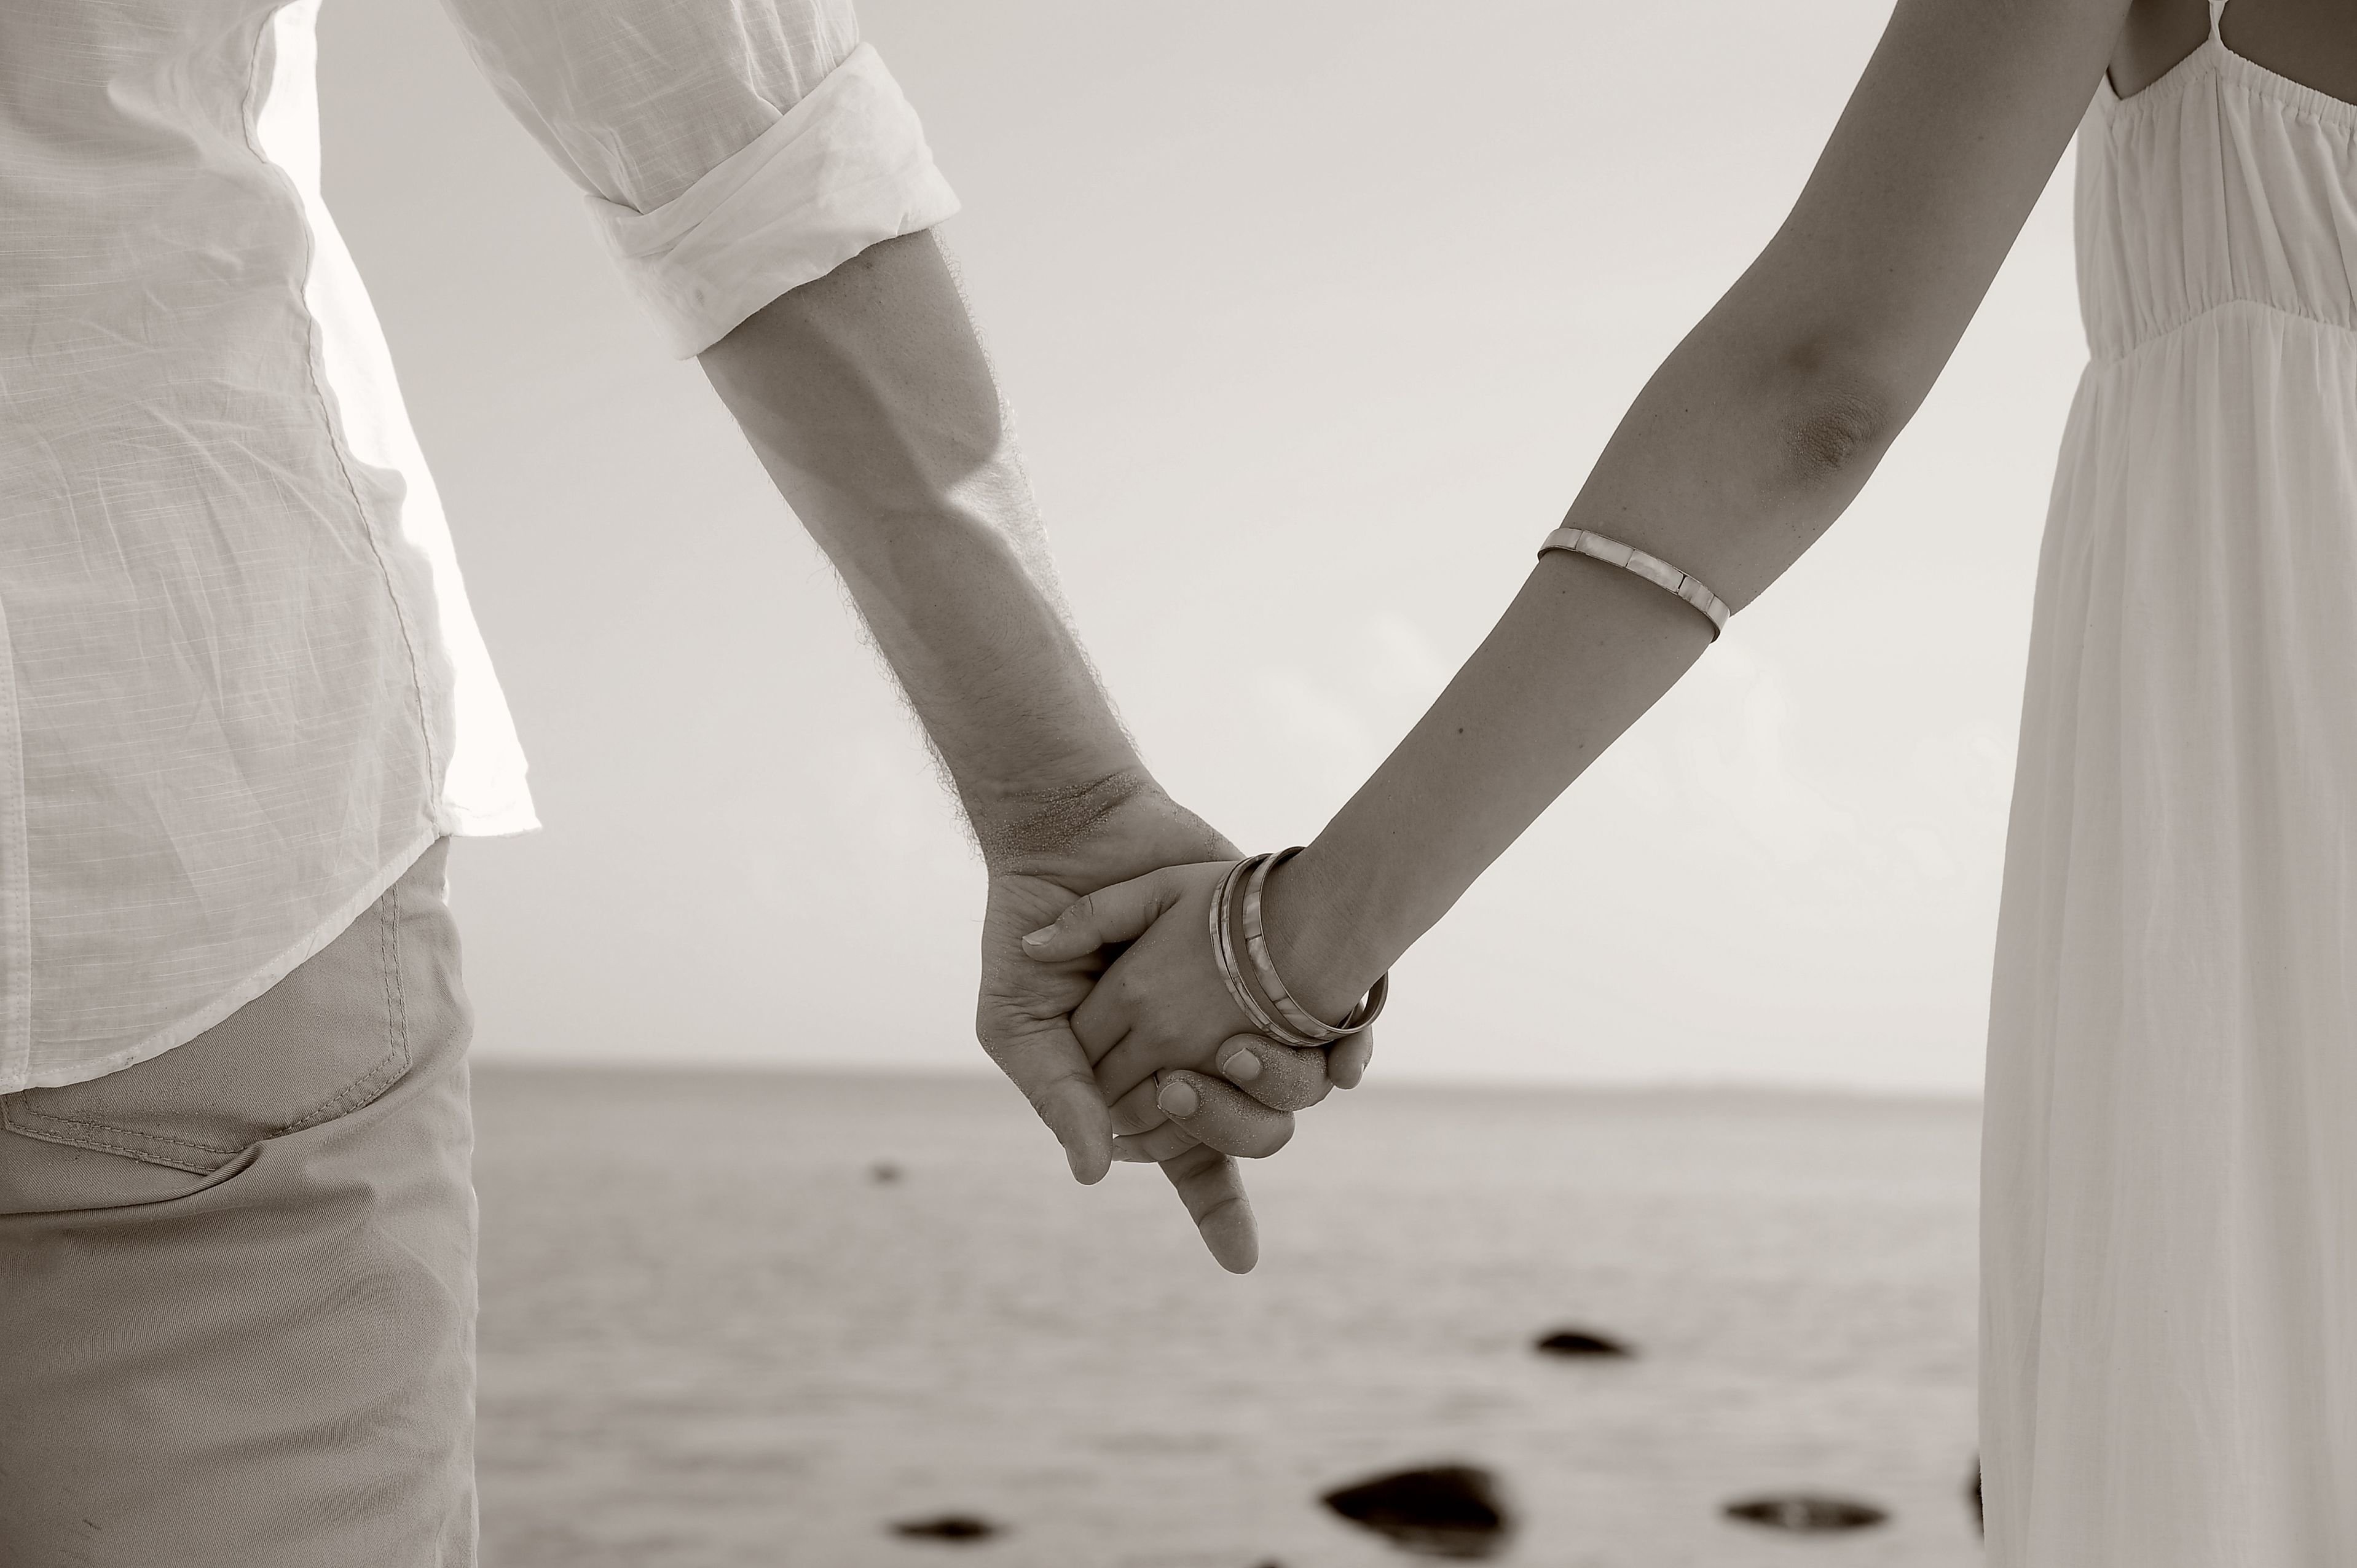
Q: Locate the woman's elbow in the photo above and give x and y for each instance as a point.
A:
(1835, 416)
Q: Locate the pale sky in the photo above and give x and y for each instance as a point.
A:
(1314, 314)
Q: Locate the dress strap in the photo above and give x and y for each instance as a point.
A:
(2217, 9)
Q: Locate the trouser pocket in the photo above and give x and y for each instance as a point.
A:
(325, 1040)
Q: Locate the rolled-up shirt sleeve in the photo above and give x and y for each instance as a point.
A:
(726, 152)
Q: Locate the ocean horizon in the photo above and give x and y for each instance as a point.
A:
(757, 1316)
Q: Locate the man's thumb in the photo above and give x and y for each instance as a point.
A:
(1076, 1113)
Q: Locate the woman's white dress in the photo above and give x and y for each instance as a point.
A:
(2169, 1172)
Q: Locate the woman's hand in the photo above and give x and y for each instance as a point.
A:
(1161, 1020)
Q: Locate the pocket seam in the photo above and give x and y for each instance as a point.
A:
(139, 1144)
(18, 1118)
(396, 1028)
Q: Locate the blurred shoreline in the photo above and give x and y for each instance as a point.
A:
(752, 1315)
(1378, 1082)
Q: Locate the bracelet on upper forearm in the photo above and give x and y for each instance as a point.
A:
(1653, 568)
(1293, 1025)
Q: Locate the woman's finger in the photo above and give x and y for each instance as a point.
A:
(1156, 1143)
(1116, 914)
(1347, 1059)
(1283, 1078)
(1132, 1061)
(1220, 1116)
(1135, 1112)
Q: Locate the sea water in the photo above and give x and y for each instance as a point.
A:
(741, 1319)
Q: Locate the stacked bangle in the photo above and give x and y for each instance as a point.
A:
(1295, 1025)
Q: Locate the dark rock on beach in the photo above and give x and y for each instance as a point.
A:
(883, 1172)
(946, 1526)
(1449, 1510)
(1579, 1342)
(1980, 1522)
(1805, 1514)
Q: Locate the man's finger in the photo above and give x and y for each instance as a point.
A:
(1280, 1076)
(1347, 1059)
(1220, 1116)
(1065, 1095)
(1283, 1078)
(1076, 1114)
(1045, 1061)
(1116, 914)
(1213, 1191)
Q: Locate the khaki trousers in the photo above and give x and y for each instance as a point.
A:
(237, 1280)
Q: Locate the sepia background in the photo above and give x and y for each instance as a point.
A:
(1313, 314)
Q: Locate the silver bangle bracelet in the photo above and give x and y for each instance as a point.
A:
(1299, 1027)
(1311, 1029)
(1224, 952)
(1653, 568)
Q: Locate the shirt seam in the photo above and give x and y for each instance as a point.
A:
(311, 348)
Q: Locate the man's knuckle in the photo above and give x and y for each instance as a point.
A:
(1215, 1208)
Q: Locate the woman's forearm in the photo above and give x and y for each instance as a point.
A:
(1745, 446)
(1732, 461)
(1752, 436)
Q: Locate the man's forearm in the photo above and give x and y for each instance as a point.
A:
(866, 396)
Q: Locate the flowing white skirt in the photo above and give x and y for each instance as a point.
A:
(2169, 1170)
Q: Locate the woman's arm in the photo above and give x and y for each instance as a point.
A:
(1745, 445)
(1749, 441)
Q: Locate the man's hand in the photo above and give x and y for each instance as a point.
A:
(1024, 1015)
(866, 396)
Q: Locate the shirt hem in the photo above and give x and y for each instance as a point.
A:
(502, 822)
(220, 1008)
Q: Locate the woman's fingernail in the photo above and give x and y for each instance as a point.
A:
(1242, 1068)
(1177, 1101)
(1042, 935)
(1128, 1153)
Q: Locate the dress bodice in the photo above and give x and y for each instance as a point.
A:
(2222, 181)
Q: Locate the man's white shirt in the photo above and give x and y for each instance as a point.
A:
(241, 689)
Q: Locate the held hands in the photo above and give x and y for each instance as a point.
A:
(1161, 1022)
(1024, 1018)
